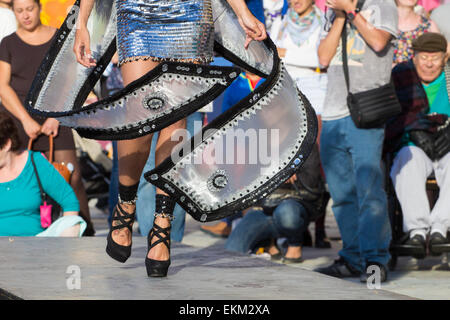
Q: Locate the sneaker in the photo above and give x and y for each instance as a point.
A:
(339, 269)
(367, 273)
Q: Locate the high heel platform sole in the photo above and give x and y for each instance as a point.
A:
(116, 251)
(157, 269)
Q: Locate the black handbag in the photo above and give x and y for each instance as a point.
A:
(371, 108)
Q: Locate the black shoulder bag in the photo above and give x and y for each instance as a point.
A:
(371, 108)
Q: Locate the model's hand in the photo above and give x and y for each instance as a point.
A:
(254, 29)
(50, 127)
(32, 128)
(82, 49)
(342, 5)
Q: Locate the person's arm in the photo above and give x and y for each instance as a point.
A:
(13, 104)
(254, 29)
(81, 47)
(328, 45)
(56, 186)
(50, 127)
(377, 39)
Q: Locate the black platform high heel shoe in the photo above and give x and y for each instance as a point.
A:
(113, 249)
(156, 268)
(164, 209)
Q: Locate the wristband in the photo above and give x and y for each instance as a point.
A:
(351, 15)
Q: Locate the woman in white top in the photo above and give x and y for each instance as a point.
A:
(297, 37)
(8, 23)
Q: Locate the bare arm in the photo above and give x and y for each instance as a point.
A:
(70, 213)
(85, 11)
(328, 46)
(375, 38)
(238, 5)
(13, 104)
(81, 46)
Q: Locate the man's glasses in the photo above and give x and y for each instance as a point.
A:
(433, 59)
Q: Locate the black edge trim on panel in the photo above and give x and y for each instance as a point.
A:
(94, 76)
(230, 56)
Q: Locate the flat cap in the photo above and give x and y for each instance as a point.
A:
(430, 42)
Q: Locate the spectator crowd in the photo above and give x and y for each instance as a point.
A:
(333, 50)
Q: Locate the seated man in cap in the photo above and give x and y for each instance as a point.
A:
(420, 140)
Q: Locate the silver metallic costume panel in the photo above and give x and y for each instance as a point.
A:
(211, 175)
(62, 84)
(165, 29)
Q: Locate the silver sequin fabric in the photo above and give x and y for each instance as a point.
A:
(165, 30)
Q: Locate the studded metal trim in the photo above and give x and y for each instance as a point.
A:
(154, 101)
(217, 181)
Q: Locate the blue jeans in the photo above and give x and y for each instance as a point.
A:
(289, 220)
(351, 159)
(145, 205)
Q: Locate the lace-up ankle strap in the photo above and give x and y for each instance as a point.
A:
(163, 235)
(121, 215)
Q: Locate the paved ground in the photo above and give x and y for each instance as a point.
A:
(423, 279)
(208, 273)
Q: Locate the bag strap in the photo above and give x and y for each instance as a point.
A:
(41, 190)
(50, 143)
(50, 155)
(359, 6)
(344, 56)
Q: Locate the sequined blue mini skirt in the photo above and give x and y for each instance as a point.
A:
(165, 30)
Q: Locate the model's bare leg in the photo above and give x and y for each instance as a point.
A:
(133, 153)
(163, 150)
